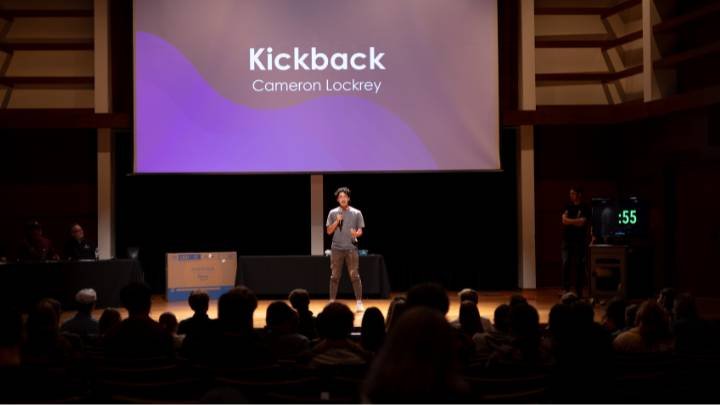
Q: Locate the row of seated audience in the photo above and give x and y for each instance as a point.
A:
(415, 355)
(35, 246)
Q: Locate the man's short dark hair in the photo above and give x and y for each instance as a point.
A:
(616, 312)
(335, 321)
(561, 320)
(524, 322)
(501, 318)
(428, 295)
(42, 320)
(342, 190)
(55, 304)
(279, 313)
(108, 320)
(168, 321)
(136, 298)
(577, 189)
(468, 294)
(199, 301)
(299, 299)
(237, 306)
(583, 313)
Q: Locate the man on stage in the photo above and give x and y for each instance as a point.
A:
(574, 243)
(345, 224)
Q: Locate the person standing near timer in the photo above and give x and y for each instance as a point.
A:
(574, 243)
(345, 224)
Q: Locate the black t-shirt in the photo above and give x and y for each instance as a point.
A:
(79, 250)
(572, 233)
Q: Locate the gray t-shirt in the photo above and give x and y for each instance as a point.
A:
(352, 218)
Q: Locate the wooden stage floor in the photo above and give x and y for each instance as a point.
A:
(542, 299)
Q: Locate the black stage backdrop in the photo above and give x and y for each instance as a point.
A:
(459, 229)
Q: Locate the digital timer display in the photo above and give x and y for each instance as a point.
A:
(619, 221)
(627, 217)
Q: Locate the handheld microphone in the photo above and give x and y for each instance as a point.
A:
(340, 224)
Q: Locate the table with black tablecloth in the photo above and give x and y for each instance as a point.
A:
(278, 275)
(25, 283)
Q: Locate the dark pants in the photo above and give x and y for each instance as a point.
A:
(337, 259)
(573, 265)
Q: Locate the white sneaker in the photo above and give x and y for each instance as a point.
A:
(359, 306)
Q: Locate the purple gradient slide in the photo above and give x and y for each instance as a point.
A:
(312, 86)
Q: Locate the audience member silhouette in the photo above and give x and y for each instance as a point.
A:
(109, 320)
(614, 319)
(83, 324)
(169, 322)
(429, 295)
(468, 294)
(498, 335)
(418, 363)
(44, 345)
(335, 323)
(652, 333)
(372, 330)
(282, 335)
(138, 336)
(397, 307)
(232, 340)
(307, 323)
(470, 322)
(693, 335)
(199, 302)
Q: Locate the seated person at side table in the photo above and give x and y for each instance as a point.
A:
(36, 247)
(77, 247)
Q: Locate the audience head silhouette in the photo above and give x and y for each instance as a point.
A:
(169, 322)
(397, 307)
(615, 314)
(137, 299)
(199, 301)
(335, 322)
(280, 318)
(468, 294)
(299, 299)
(429, 295)
(653, 322)
(42, 321)
(109, 319)
(470, 322)
(236, 308)
(372, 330)
(418, 362)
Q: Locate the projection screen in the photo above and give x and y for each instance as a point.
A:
(315, 86)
